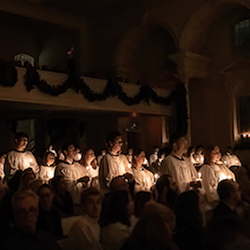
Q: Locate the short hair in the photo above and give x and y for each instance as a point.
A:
(87, 192)
(174, 138)
(162, 182)
(66, 146)
(22, 195)
(20, 135)
(44, 186)
(225, 187)
(111, 137)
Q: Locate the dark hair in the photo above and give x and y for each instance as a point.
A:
(207, 152)
(55, 181)
(66, 146)
(190, 149)
(174, 138)
(111, 137)
(44, 161)
(162, 182)
(187, 210)
(116, 209)
(44, 186)
(20, 135)
(150, 233)
(225, 187)
(141, 198)
(87, 192)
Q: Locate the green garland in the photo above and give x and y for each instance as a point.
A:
(8, 77)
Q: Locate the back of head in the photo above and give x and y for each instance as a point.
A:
(141, 198)
(226, 233)
(225, 187)
(118, 183)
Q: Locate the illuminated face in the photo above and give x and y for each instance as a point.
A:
(70, 152)
(90, 155)
(215, 154)
(25, 214)
(140, 158)
(22, 143)
(93, 206)
(116, 145)
(50, 159)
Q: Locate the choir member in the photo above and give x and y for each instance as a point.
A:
(47, 169)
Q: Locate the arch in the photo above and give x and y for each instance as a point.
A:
(195, 33)
(143, 43)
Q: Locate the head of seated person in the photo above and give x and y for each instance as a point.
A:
(226, 233)
(141, 198)
(91, 202)
(229, 192)
(119, 183)
(25, 210)
(153, 208)
(46, 196)
(27, 178)
(21, 141)
(167, 190)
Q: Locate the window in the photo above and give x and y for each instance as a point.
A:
(241, 32)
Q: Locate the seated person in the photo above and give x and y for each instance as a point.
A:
(74, 174)
(167, 190)
(85, 232)
(113, 163)
(230, 197)
(25, 234)
(19, 158)
(62, 201)
(48, 218)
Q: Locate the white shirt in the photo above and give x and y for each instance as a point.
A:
(181, 170)
(72, 172)
(16, 160)
(111, 167)
(212, 174)
(47, 173)
(230, 160)
(144, 179)
(85, 234)
(114, 235)
(152, 158)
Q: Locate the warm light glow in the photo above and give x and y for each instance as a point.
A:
(229, 177)
(129, 165)
(134, 114)
(244, 135)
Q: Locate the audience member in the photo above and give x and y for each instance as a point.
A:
(85, 233)
(188, 221)
(25, 235)
(62, 201)
(115, 221)
(140, 200)
(48, 218)
(167, 190)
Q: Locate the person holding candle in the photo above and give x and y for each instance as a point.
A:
(114, 163)
(19, 158)
(144, 179)
(178, 166)
(212, 173)
(230, 159)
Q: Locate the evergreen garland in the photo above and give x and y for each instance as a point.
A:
(8, 77)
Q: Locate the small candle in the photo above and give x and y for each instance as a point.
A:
(129, 165)
(199, 177)
(229, 177)
(156, 176)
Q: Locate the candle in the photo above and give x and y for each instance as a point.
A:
(199, 177)
(129, 165)
(156, 176)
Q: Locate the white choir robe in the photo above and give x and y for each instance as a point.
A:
(2, 174)
(231, 160)
(16, 160)
(212, 174)
(93, 174)
(144, 179)
(111, 167)
(46, 173)
(182, 171)
(84, 234)
(72, 172)
(152, 158)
